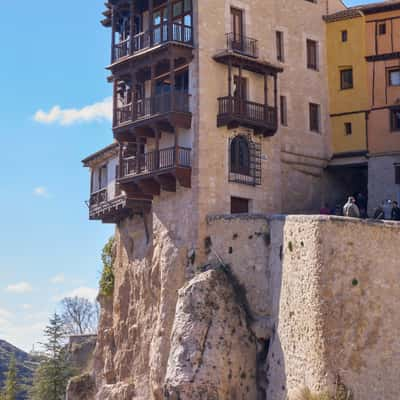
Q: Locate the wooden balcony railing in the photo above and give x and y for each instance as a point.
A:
(246, 110)
(122, 49)
(97, 198)
(149, 107)
(156, 161)
(242, 44)
(166, 32)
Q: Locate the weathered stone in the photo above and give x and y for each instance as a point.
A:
(213, 352)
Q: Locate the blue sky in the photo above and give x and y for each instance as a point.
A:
(53, 54)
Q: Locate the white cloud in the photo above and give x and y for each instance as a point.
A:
(4, 314)
(21, 287)
(85, 292)
(95, 112)
(26, 306)
(41, 191)
(60, 278)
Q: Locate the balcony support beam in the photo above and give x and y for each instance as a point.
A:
(150, 187)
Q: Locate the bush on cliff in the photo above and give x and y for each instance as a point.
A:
(107, 276)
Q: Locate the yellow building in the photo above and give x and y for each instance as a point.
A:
(349, 104)
(348, 88)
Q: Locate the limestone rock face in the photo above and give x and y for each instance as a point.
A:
(136, 322)
(213, 353)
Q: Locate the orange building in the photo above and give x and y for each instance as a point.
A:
(364, 81)
(383, 59)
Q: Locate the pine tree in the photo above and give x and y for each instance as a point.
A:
(51, 378)
(11, 385)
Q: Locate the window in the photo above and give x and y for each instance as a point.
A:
(280, 51)
(240, 156)
(237, 28)
(239, 205)
(312, 54)
(314, 117)
(382, 29)
(397, 174)
(394, 77)
(344, 36)
(245, 161)
(346, 79)
(103, 177)
(283, 104)
(395, 119)
(348, 128)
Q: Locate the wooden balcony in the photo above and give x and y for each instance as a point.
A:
(116, 209)
(166, 33)
(145, 176)
(242, 45)
(234, 112)
(168, 111)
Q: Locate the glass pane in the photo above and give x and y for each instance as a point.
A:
(188, 5)
(157, 18)
(187, 20)
(177, 9)
(395, 78)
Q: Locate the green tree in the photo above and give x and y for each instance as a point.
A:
(107, 276)
(11, 388)
(51, 378)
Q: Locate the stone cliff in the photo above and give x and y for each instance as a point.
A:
(256, 312)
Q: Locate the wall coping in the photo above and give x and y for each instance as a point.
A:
(302, 218)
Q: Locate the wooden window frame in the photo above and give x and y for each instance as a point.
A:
(280, 46)
(240, 200)
(283, 110)
(343, 84)
(382, 28)
(389, 72)
(315, 120)
(345, 35)
(348, 128)
(393, 125)
(312, 54)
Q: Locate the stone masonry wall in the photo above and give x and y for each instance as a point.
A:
(381, 180)
(335, 289)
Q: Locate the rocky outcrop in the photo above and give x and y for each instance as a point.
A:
(213, 352)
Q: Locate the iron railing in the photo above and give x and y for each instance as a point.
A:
(242, 44)
(157, 160)
(246, 110)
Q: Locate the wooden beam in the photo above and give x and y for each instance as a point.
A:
(167, 182)
(150, 187)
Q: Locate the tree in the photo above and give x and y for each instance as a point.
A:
(11, 385)
(51, 378)
(79, 316)
(107, 277)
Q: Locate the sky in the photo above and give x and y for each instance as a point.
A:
(55, 109)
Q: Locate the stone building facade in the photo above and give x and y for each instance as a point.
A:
(210, 123)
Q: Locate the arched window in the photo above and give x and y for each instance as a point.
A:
(240, 155)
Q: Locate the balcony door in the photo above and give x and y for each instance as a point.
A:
(240, 93)
(160, 25)
(237, 29)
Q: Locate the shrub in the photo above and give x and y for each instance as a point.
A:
(107, 277)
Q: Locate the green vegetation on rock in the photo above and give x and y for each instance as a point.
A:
(107, 276)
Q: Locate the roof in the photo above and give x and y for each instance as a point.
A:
(102, 154)
(364, 9)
